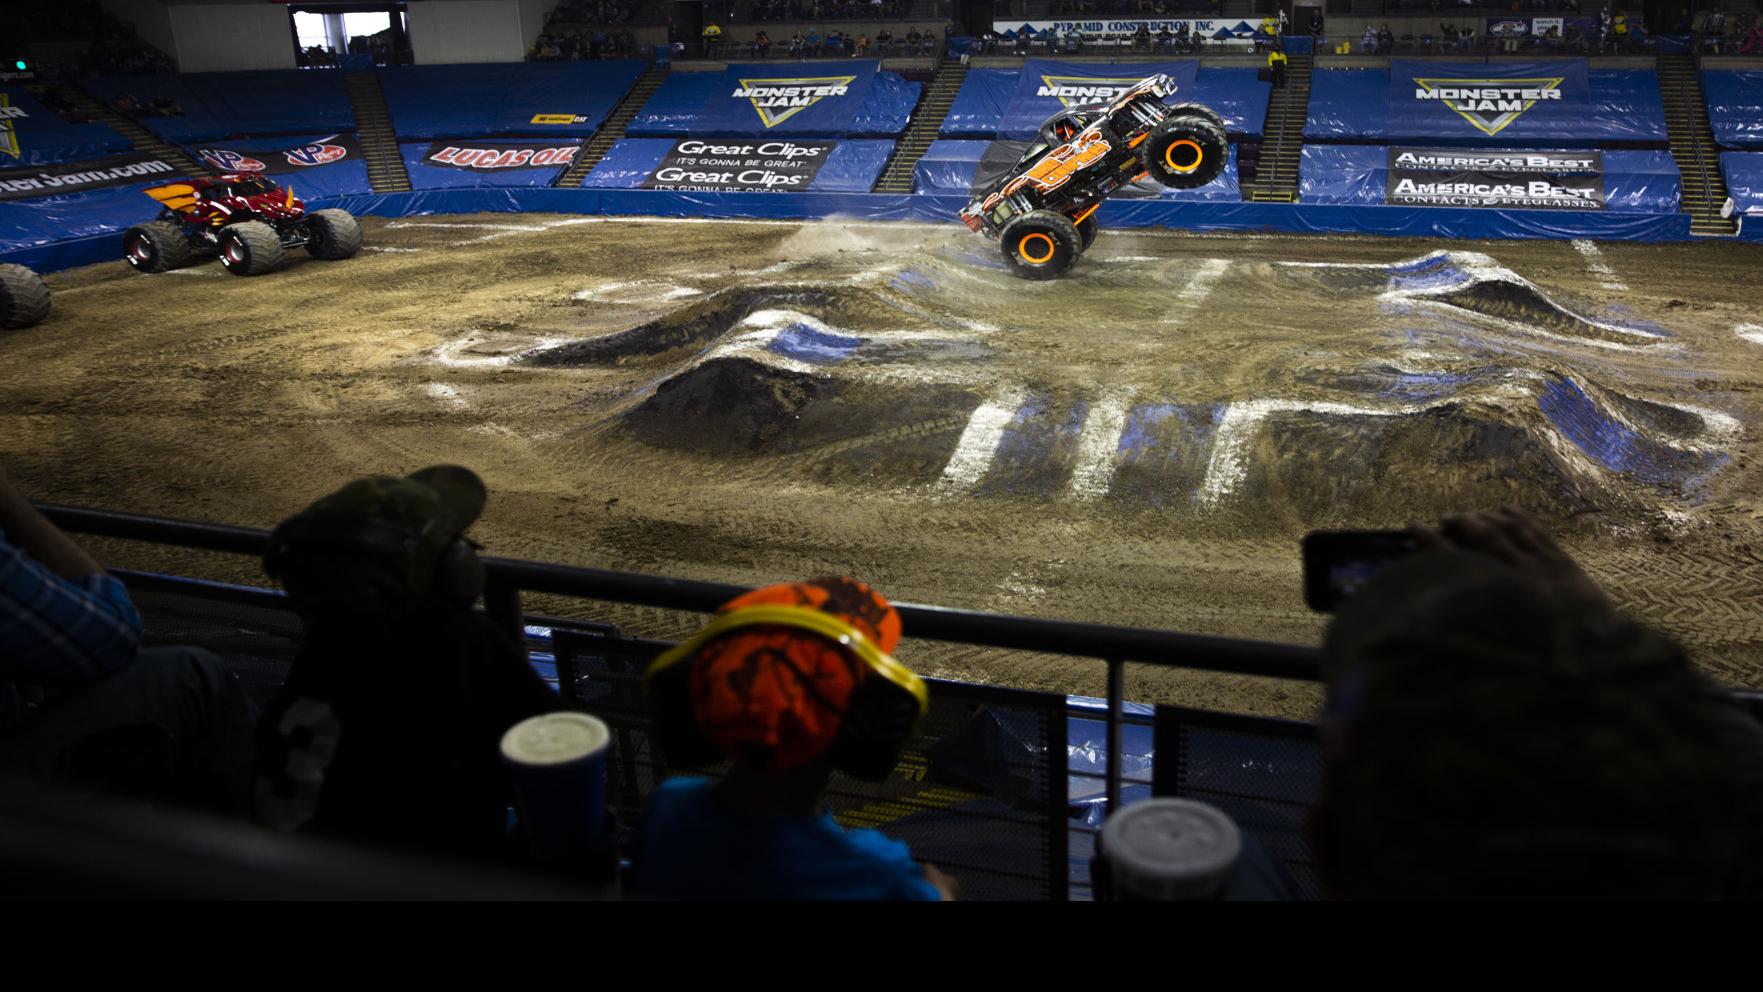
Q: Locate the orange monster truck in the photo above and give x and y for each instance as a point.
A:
(1040, 211)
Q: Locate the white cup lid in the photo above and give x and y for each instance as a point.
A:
(554, 738)
(1171, 848)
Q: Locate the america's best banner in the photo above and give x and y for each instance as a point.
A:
(1045, 88)
(1508, 178)
(775, 166)
(1485, 102)
(328, 150)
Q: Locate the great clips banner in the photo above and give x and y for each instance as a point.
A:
(1491, 102)
(776, 166)
(1044, 88)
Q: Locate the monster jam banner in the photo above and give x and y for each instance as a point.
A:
(250, 156)
(777, 166)
(1045, 88)
(1421, 177)
(793, 99)
(1485, 102)
(58, 180)
(1121, 32)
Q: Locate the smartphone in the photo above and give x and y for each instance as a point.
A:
(1338, 562)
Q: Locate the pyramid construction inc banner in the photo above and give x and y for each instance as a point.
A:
(1116, 31)
(1492, 103)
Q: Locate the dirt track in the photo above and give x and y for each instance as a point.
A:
(1141, 443)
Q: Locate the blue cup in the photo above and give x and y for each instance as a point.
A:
(558, 763)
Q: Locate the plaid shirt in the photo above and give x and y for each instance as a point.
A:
(58, 633)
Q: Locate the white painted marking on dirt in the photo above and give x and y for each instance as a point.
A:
(1243, 419)
(192, 272)
(1601, 270)
(1200, 286)
(1750, 332)
(387, 248)
(1133, 258)
(979, 440)
(446, 394)
(401, 224)
(1097, 443)
(451, 353)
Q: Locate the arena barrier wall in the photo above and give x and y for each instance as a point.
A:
(1005, 103)
(224, 104)
(850, 99)
(55, 228)
(427, 162)
(1597, 107)
(1735, 106)
(1634, 181)
(1274, 218)
(954, 168)
(1744, 184)
(529, 98)
(314, 166)
(851, 166)
(36, 135)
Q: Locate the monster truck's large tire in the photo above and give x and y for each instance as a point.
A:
(156, 247)
(335, 235)
(24, 299)
(1185, 152)
(1040, 244)
(1086, 232)
(1197, 110)
(250, 248)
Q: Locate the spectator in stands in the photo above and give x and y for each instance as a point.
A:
(835, 43)
(712, 41)
(80, 702)
(762, 45)
(779, 700)
(811, 47)
(1022, 40)
(798, 44)
(862, 45)
(1141, 39)
(1276, 66)
(1368, 42)
(1620, 30)
(884, 43)
(388, 727)
(1495, 729)
(1316, 25)
(1753, 42)
(1386, 39)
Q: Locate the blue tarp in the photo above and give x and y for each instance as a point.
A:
(1735, 106)
(37, 222)
(35, 135)
(949, 166)
(1614, 105)
(846, 99)
(426, 176)
(1413, 222)
(1634, 181)
(220, 104)
(851, 167)
(465, 101)
(1744, 180)
(343, 177)
(1043, 88)
(987, 95)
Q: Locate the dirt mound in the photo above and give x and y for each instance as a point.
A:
(695, 324)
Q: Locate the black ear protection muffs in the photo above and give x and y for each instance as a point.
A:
(435, 566)
(880, 718)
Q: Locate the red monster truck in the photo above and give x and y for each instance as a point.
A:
(1039, 212)
(244, 218)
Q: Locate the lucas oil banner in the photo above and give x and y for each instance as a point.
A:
(1045, 88)
(1484, 102)
(58, 180)
(776, 166)
(297, 158)
(1443, 177)
(498, 155)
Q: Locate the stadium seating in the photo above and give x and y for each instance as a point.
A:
(1354, 105)
(230, 104)
(36, 135)
(519, 98)
(874, 103)
(1735, 106)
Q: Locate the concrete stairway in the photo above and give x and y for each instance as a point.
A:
(145, 140)
(373, 124)
(927, 120)
(1288, 107)
(1692, 145)
(611, 131)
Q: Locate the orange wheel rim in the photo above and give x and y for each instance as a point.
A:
(1036, 240)
(1169, 155)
